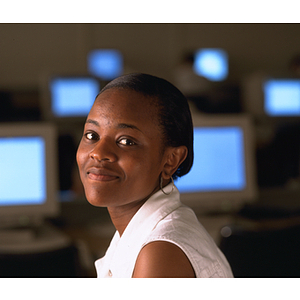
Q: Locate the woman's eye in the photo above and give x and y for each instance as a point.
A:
(126, 142)
(91, 136)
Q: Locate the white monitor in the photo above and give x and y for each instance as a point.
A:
(272, 97)
(68, 98)
(28, 173)
(223, 175)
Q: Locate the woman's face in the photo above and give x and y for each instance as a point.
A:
(121, 155)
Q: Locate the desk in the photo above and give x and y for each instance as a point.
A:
(39, 252)
(269, 248)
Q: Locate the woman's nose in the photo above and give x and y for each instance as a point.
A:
(104, 151)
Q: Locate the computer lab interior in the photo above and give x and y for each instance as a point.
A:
(242, 82)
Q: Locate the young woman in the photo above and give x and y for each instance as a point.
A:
(138, 138)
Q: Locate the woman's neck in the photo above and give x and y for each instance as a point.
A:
(121, 215)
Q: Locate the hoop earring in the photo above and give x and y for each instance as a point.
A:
(161, 187)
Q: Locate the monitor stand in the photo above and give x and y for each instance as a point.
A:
(30, 240)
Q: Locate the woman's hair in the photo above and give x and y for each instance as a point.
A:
(174, 113)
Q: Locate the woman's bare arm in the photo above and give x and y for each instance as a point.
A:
(162, 259)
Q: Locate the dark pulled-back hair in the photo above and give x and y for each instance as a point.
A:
(174, 113)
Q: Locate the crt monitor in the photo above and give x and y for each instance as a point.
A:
(69, 97)
(211, 63)
(282, 97)
(271, 97)
(106, 64)
(223, 173)
(28, 173)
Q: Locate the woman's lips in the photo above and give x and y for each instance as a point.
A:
(101, 175)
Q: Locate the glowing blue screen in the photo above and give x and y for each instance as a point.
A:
(219, 161)
(282, 97)
(73, 97)
(105, 63)
(211, 64)
(22, 171)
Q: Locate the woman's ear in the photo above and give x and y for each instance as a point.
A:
(174, 158)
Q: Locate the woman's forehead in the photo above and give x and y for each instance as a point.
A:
(126, 94)
(125, 104)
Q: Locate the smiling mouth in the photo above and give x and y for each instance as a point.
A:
(101, 177)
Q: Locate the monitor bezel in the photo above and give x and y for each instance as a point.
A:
(227, 200)
(50, 208)
(253, 98)
(46, 98)
(278, 79)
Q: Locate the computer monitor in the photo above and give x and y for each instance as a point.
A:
(68, 98)
(106, 64)
(211, 63)
(223, 174)
(282, 97)
(28, 173)
(271, 97)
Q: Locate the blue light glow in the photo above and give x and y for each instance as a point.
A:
(22, 171)
(105, 63)
(282, 97)
(211, 64)
(71, 97)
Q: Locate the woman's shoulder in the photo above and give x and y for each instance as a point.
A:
(161, 259)
(179, 222)
(182, 229)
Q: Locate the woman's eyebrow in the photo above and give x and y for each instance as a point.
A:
(123, 125)
(90, 121)
(120, 125)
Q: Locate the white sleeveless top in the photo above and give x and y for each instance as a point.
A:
(163, 218)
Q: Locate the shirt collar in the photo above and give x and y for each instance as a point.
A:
(157, 207)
